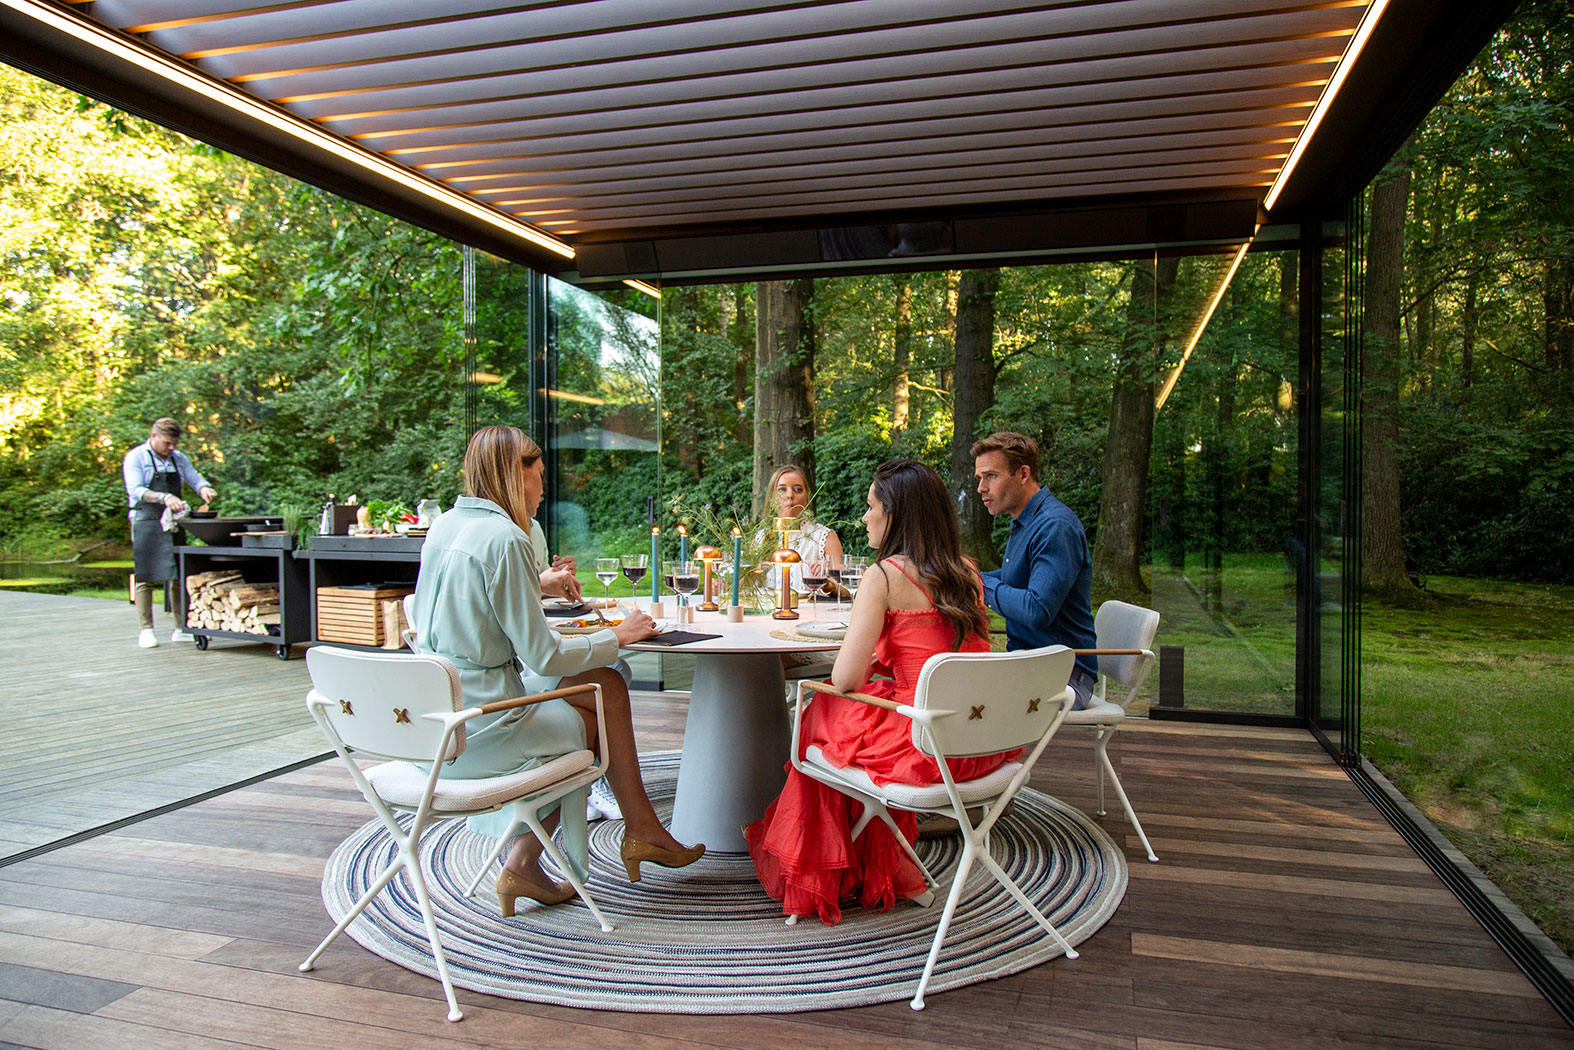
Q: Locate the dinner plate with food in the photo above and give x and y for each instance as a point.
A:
(586, 624)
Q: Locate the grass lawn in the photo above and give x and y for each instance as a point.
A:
(1468, 707)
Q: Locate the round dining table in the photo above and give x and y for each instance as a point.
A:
(737, 736)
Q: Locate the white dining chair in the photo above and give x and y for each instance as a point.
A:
(965, 704)
(408, 709)
(1124, 634)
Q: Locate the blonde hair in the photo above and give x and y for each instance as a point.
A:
(494, 463)
(781, 472)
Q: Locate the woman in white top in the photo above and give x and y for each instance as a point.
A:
(789, 498)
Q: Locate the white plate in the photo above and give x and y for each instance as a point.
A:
(563, 629)
(831, 631)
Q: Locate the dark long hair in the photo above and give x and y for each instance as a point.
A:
(921, 525)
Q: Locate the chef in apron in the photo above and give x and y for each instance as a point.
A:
(153, 473)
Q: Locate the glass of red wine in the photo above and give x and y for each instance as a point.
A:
(634, 570)
(815, 578)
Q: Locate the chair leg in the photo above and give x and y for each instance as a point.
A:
(957, 884)
(430, 918)
(1099, 762)
(1021, 898)
(567, 869)
(1125, 802)
(497, 851)
(360, 905)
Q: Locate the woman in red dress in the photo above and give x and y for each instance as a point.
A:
(921, 597)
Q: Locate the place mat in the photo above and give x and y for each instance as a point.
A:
(707, 940)
(678, 638)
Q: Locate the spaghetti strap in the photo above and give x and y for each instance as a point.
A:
(915, 583)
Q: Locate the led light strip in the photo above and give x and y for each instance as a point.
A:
(181, 76)
(640, 286)
(1196, 334)
(1363, 32)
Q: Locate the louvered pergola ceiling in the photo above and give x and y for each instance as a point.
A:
(693, 139)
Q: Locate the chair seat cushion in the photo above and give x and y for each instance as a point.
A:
(401, 784)
(1097, 713)
(917, 796)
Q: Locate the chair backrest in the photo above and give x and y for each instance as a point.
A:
(1002, 700)
(375, 701)
(1121, 625)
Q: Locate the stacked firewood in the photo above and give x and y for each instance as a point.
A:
(224, 601)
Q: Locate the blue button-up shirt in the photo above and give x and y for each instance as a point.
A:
(1042, 588)
(137, 468)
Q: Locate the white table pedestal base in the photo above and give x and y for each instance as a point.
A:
(735, 745)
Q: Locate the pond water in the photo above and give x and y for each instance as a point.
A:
(46, 578)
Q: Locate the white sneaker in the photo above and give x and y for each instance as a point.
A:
(179, 636)
(147, 639)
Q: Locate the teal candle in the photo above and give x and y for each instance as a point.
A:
(683, 544)
(655, 563)
(737, 562)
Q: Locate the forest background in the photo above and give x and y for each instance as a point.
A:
(312, 347)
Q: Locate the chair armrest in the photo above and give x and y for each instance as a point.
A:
(535, 698)
(862, 698)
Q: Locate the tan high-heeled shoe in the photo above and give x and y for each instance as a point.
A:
(635, 853)
(511, 887)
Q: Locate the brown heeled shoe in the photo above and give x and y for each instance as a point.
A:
(510, 887)
(635, 853)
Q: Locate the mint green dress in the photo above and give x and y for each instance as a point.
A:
(478, 603)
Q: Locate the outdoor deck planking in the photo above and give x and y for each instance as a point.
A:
(1284, 913)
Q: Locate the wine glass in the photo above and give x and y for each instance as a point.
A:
(606, 572)
(852, 574)
(634, 570)
(814, 579)
(685, 579)
(835, 574)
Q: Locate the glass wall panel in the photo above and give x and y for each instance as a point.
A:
(602, 421)
(1224, 541)
(1331, 603)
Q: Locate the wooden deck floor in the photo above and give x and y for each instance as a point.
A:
(1284, 913)
(93, 729)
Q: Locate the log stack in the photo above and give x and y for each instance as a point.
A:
(224, 601)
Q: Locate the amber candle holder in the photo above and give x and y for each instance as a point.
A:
(784, 559)
(708, 557)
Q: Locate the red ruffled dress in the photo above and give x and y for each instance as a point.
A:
(802, 848)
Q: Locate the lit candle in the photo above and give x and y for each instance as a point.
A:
(737, 560)
(655, 563)
(683, 543)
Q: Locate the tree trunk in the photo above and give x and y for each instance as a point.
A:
(1555, 296)
(1467, 331)
(742, 334)
(902, 349)
(973, 394)
(783, 381)
(1123, 491)
(1382, 545)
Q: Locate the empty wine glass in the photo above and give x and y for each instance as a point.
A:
(634, 570)
(606, 572)
(814, 580)
(852, 575)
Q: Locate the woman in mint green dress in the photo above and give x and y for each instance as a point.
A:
(478, 603)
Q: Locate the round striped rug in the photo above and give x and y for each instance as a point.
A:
(707, 940)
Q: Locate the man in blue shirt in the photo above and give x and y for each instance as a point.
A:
(153, 472)
(1042, 586)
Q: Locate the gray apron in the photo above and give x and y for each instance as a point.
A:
(153, 549)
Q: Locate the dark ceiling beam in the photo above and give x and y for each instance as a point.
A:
(1418, 50)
